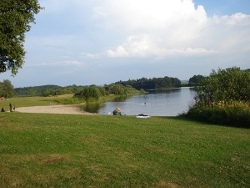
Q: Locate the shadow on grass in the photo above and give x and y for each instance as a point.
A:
(184, 117)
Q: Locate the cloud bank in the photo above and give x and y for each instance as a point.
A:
(162, 28)
(101, 38)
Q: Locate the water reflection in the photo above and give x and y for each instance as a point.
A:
(159, 103)
(120, 99)
(91, 107)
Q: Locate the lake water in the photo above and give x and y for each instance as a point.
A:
(168, 103)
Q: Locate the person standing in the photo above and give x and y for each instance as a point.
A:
(10, 107)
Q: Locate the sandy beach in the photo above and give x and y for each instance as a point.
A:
(53, 109)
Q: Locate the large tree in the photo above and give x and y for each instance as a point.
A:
(196, 80)
(6, 89)
(15, 19)
(231, 84)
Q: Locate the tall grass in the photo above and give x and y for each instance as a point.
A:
(46, 150)
(234, 113)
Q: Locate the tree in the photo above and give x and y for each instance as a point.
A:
(152, 83)
(6, 89)
(15, 19)
(223, 98)
(227, 85)
(196, 80)
(89, 93)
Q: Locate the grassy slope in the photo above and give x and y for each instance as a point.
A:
(46, 150)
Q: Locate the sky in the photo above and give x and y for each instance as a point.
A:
(86, 42)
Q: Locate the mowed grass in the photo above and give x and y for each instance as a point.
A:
(34, 101)
(46, 150)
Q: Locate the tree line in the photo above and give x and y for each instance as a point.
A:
(152, 83)
(52, 90)
(7, 90)
(115, 88)
(94, 93)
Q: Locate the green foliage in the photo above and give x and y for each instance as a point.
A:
(89, 93)
(154, 83)
(121, 90)
(224, 98)
(68, 99)
(227, 85)
(234, 114)
(45, 90)
(15, 19)
(94, 93)
(6, 89)
(40, 101)
(196, 80)
(116, 89)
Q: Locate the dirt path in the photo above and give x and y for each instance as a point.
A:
(52, 109)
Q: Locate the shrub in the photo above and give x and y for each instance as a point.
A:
(89, 93)
(234, 114)
(223, 98)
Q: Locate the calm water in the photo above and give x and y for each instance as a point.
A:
(167, 103)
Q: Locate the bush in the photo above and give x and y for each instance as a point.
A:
(223, 98)
(89, 93)
(234, 114)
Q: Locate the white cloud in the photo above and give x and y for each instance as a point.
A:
(118, 52)
(144, 28)
(134, 46)
(160, 28)
(86, 36)
(58, 64)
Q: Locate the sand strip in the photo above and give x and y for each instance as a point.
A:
(52, 109)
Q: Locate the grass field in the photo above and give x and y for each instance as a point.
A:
(34, 101)
(46, 150)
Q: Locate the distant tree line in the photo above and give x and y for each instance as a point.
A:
(46, 90)
(7, 90)
(196, 80)
(115, 88)
(94, 93)
(152, 83)
(86, 92)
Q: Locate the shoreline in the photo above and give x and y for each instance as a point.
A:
(53, 109)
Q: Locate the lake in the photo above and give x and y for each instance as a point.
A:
(168, 103)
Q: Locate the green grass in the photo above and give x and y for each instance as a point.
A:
(46, 150)
(35, 101)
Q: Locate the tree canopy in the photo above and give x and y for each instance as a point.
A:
(226, 85)
(15, 19)
(152, 83)
(6, 89)
(196, 80)
(223, 98)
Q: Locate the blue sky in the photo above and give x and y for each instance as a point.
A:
(104, 41)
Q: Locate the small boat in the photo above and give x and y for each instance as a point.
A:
(142, 116)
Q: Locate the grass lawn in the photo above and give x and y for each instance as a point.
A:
(46, 150)
(35, 101)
